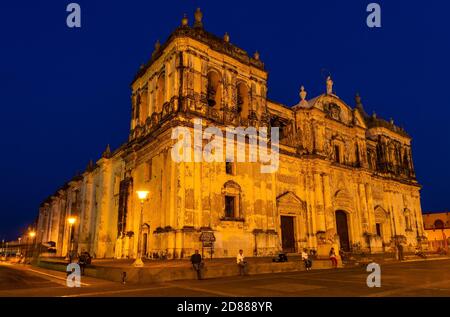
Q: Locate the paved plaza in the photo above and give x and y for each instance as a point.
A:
(414, 278)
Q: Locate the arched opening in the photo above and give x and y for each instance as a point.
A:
(337, 153)
(439, 224)
(160, 92)
(231, 192)
(293, 224)
(214, 90)
(137, 106)
(242, 100)
(382, 223)
(357, 155)
(277, 122)
(342, 230)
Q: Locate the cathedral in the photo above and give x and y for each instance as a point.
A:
(345, 179)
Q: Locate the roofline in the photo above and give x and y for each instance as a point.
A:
(199, 34)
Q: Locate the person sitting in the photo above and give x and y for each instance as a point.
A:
(282, 257)
(82, 259)
(88, 257)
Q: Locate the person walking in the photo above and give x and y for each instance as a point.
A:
(196, 260)
(306, 260)
(333, 258)
(242, 264)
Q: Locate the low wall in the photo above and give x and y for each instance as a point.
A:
(162, 274)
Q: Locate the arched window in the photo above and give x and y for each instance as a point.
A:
(160, 92)
(214, 90)
(242, 99)
(406, 161)
(137, 105)
(439, 224)
(391, 153)
(231, 192)
(382, 221)
(337, 153)
(276, 122)
(357, 155)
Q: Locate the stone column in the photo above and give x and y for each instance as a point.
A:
(328, 205)
(103, 208)
(318, 131)
(319, 203)
(311, 219)
(363, 206)
(370, 208)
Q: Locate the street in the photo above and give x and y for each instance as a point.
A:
(417, 278)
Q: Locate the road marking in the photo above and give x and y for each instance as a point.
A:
(118, 291)
(426, 286)
(153, 288)
(199, 289)
(54, 276)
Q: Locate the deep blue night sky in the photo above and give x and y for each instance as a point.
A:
(64, 93)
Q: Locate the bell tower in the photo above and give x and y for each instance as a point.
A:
(198, 72)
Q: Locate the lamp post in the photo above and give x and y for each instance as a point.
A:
(142, 195)
(19, 247)
(71, 221)
(32, 235)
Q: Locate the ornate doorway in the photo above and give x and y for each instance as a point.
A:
(342, 230)
(287, 234)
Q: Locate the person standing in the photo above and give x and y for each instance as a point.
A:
(333, 258)
(400, 251)
(196, 260)
(242, 264)
(306, 260)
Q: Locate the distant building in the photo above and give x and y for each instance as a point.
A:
(437, 228)
(345, 179)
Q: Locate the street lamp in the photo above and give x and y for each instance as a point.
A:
(19, 247)
(142, 195)
(71, 221)
(31, 235)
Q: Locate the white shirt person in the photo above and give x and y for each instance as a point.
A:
(242, 264)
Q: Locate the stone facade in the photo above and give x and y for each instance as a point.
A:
(437, 228)
(345, 179)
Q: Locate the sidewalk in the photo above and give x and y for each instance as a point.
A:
(55, 276)
(391, 259)
(155, 271)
